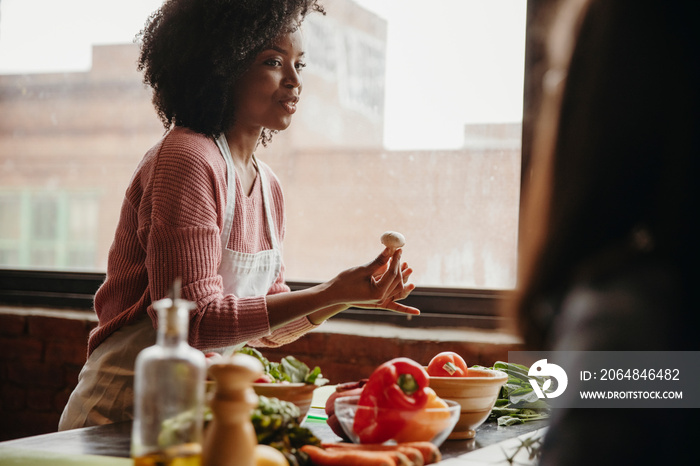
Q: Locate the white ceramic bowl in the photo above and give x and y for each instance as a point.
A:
(476, 394)
(300, 394)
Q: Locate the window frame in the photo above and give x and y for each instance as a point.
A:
(440, 307)
(76, 290)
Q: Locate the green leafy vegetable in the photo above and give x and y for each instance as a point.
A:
(289, 369)
(517, 402)
(511, 416)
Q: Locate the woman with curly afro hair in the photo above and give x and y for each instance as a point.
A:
(202, 208)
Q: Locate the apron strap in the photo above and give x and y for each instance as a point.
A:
(230, 189)
(231, 195)
(267, 196)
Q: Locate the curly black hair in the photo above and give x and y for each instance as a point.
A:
(193, 52)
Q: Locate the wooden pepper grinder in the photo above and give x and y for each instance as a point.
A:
(230, 439)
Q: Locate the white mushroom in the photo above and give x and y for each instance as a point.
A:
(393, 240)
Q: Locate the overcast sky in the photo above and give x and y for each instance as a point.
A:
(449, 62)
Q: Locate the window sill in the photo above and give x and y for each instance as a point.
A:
(437, 334)
(76, 314)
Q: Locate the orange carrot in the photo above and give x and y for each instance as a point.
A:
(414, 455)
(323, 457)
(431, 453)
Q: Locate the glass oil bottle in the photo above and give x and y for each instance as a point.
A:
(169, 379)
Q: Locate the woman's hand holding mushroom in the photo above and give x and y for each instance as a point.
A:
(379, 284)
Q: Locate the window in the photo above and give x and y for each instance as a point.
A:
(410, 120)
(10, 229)
(48, 229)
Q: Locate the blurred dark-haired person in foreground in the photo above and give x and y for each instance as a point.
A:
(609, 258)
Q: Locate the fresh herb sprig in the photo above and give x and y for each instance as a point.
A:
(532, 446)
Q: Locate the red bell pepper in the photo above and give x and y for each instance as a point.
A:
(400, 387)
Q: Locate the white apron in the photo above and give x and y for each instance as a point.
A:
(244, 274)
(104, 393)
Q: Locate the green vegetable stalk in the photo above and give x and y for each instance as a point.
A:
(517, 402)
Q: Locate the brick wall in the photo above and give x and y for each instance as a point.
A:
(40, 358)
(42, 352)
(347, 357)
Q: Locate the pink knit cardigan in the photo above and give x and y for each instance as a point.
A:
(170, 226)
